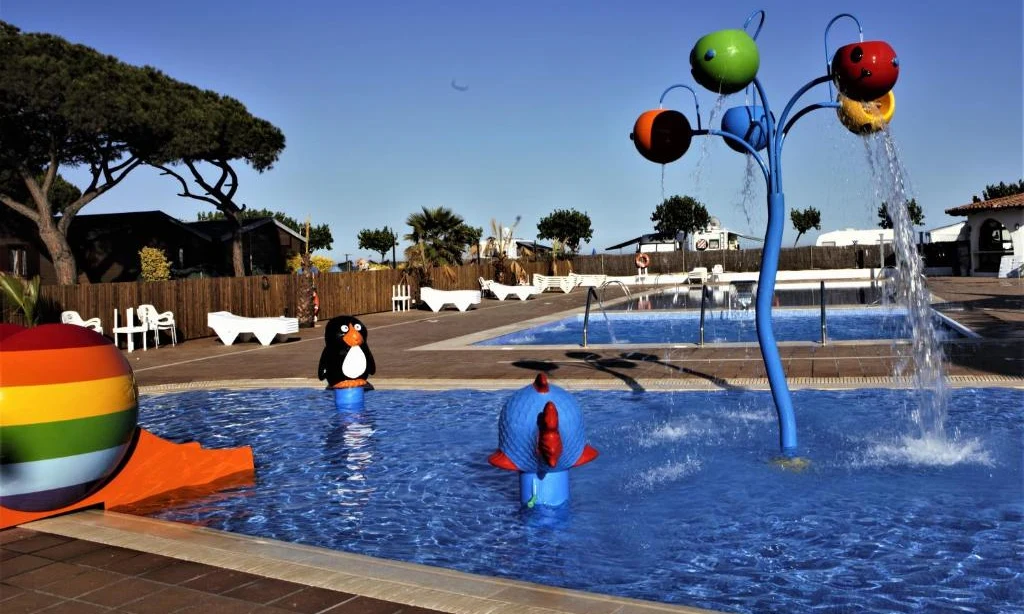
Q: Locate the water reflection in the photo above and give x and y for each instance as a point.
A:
(348, 454)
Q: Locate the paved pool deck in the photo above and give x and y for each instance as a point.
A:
(101, 562)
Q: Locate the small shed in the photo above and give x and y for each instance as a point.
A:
(996, 237)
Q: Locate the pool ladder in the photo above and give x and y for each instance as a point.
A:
(821, 296)
(592, 294)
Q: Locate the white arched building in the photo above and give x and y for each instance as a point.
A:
(997, 239)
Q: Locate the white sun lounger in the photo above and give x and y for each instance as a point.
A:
(460, 299)
(588, 280)
(228, 326)
(502, 291)
(553, 282)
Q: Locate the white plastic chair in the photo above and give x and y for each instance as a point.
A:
(157, 322)
(130, 328)
(699, 275)
(72, 317)
(400, 297)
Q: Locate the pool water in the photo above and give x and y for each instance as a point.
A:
(741, 295)
(681, 506)
(660, 327)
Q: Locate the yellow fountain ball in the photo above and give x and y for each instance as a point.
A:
(866, 117)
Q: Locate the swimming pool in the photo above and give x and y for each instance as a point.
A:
(740, 295)
(660, 327)
(681, 506)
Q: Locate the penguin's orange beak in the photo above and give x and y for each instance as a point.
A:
(353, 337)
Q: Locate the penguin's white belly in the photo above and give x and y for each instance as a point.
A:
(354, 364)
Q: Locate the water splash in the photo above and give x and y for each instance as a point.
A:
(672, 471)
(928, 411)
(925, 452)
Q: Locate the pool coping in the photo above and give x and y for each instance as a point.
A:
(410, 584)
(650, 385)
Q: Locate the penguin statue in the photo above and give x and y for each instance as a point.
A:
(346, 361)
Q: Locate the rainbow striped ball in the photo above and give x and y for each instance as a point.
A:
(68, 413)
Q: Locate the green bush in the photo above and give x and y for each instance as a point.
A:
(155, 265)
(322, 263)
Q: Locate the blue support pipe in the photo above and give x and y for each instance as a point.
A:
(771, 167)
(763, 319)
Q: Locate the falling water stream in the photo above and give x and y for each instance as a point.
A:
(698, 168)
(747, 191)
(929, 440)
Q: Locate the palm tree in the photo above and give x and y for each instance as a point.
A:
(442, 235)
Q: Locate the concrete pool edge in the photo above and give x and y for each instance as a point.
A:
(652, 385)
(395, 581)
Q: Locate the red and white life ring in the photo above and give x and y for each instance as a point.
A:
(643, 260)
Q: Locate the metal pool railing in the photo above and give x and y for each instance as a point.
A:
(592, 293)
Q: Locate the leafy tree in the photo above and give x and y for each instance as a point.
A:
(999, 191)
(62, 192)
(680, 214)
(441, 236)
(67, 105)
(568, 227)
(913, 209)
(212, 134)
(378, 240)
(804, 220)
(320, 237)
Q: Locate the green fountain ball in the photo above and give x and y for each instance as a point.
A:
(725, 61)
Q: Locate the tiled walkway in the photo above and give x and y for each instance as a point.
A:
(58, 575)
(41, 571)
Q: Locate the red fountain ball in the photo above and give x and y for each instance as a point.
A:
(865, 71)
(662, 135)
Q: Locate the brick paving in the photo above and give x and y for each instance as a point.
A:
(53, 574)
(43, 572)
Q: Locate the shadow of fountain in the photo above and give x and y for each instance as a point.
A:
(642, 357)
(609, 366)
(536, 365)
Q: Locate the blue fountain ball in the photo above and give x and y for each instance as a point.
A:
(748, 123)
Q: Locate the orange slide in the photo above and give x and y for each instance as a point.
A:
(157, 473)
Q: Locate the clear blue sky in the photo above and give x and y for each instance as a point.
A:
(375, 131)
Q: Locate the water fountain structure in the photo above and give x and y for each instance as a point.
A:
(726, 62)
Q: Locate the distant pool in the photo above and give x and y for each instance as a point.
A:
(658, 327)
(681, 506)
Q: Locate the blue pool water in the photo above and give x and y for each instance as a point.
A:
(682, 505)
(719, 327)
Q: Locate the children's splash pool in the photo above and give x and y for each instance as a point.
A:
(720, 326)
(682, 505)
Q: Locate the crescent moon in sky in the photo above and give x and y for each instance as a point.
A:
(458, 87)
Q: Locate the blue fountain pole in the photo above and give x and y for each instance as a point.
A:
(772, 171)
